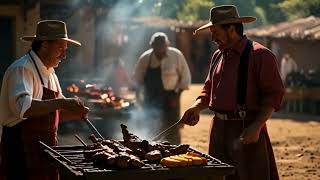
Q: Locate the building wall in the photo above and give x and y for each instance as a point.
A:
(24, 25)
(305, 53)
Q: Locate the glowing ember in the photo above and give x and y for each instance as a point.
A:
(104, 96)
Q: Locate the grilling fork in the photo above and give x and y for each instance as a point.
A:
(161, 134)
(93, 129)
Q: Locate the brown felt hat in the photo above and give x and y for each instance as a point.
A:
(51, 30)
(225, 14)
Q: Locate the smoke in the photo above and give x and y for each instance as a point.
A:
(115, 38)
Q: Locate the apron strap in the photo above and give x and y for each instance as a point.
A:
(36, 68)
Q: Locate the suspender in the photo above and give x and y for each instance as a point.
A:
(242, 77)
(243, 74)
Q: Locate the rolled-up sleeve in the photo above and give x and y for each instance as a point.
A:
(269, 80)
(206, 91)
(20, 84)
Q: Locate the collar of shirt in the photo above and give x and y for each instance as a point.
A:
(42, 68)
(237, 48)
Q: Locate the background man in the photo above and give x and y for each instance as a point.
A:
(243, 88)
(162, 72)
(32, 103)
(288, 65)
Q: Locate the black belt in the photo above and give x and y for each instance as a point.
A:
(234, 115)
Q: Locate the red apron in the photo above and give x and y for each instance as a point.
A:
(22, 155)
(253, 161)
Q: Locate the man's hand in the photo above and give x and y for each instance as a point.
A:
(250, 134)
(191, 116)
(75, 106)
(72, 109)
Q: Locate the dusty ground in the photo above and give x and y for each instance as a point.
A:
(295, 139)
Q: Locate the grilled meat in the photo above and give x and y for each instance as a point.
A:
(105, 159)
(153, 156)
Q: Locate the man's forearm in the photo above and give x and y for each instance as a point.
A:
(42, 107)
(67, 115)
(200, 104)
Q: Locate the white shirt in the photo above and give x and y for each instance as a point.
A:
(288, 65)
(21, 83)
(175, 72)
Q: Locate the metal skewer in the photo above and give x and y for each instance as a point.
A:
(79, 138)
(55, 152)
(161, 134)
(91, 126)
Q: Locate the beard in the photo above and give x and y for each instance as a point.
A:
(224, 43)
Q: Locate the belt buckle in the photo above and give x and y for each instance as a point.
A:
(242, 114)
(221, 116)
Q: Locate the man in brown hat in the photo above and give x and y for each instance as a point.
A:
(243, 88)
(32, 103)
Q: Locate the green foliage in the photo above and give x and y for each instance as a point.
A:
(168, 8)
(267, 11)
(294, 9)
(261, 16)
(195, 10)
(245, 7)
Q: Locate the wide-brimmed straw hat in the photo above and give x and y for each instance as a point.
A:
(225, 14)
(51, 30)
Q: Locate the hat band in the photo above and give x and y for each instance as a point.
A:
(53, 36)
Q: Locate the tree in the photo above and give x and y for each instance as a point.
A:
(194, 10)
(294, 9)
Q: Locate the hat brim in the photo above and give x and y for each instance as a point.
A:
(32, 38)
(244, 19)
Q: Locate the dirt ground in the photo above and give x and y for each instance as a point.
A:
(295, 139)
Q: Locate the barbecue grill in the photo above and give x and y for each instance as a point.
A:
(72, 165)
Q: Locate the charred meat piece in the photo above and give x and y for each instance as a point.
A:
(181, 149)
(166, 153)
(153, 156)
(116, 146)
(94, 139)
(129, 137)
(133, 142)
(123, 161)
(105, 159)
(134, 161)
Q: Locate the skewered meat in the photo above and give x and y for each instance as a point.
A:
(123, 161)
(154, 155)
(181, 149)
(141, 147)
(126, 154)
(104, 158)
(113, 154)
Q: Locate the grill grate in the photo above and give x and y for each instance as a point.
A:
(82, 168)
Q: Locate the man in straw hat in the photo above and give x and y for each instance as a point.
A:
(32, 102)
(243, 88)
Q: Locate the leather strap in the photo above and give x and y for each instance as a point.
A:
(243, 74)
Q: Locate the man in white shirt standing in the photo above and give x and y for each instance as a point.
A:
(162, 72)
(32, 102)
(288, 65)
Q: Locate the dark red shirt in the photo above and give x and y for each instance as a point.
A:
(264, 86)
